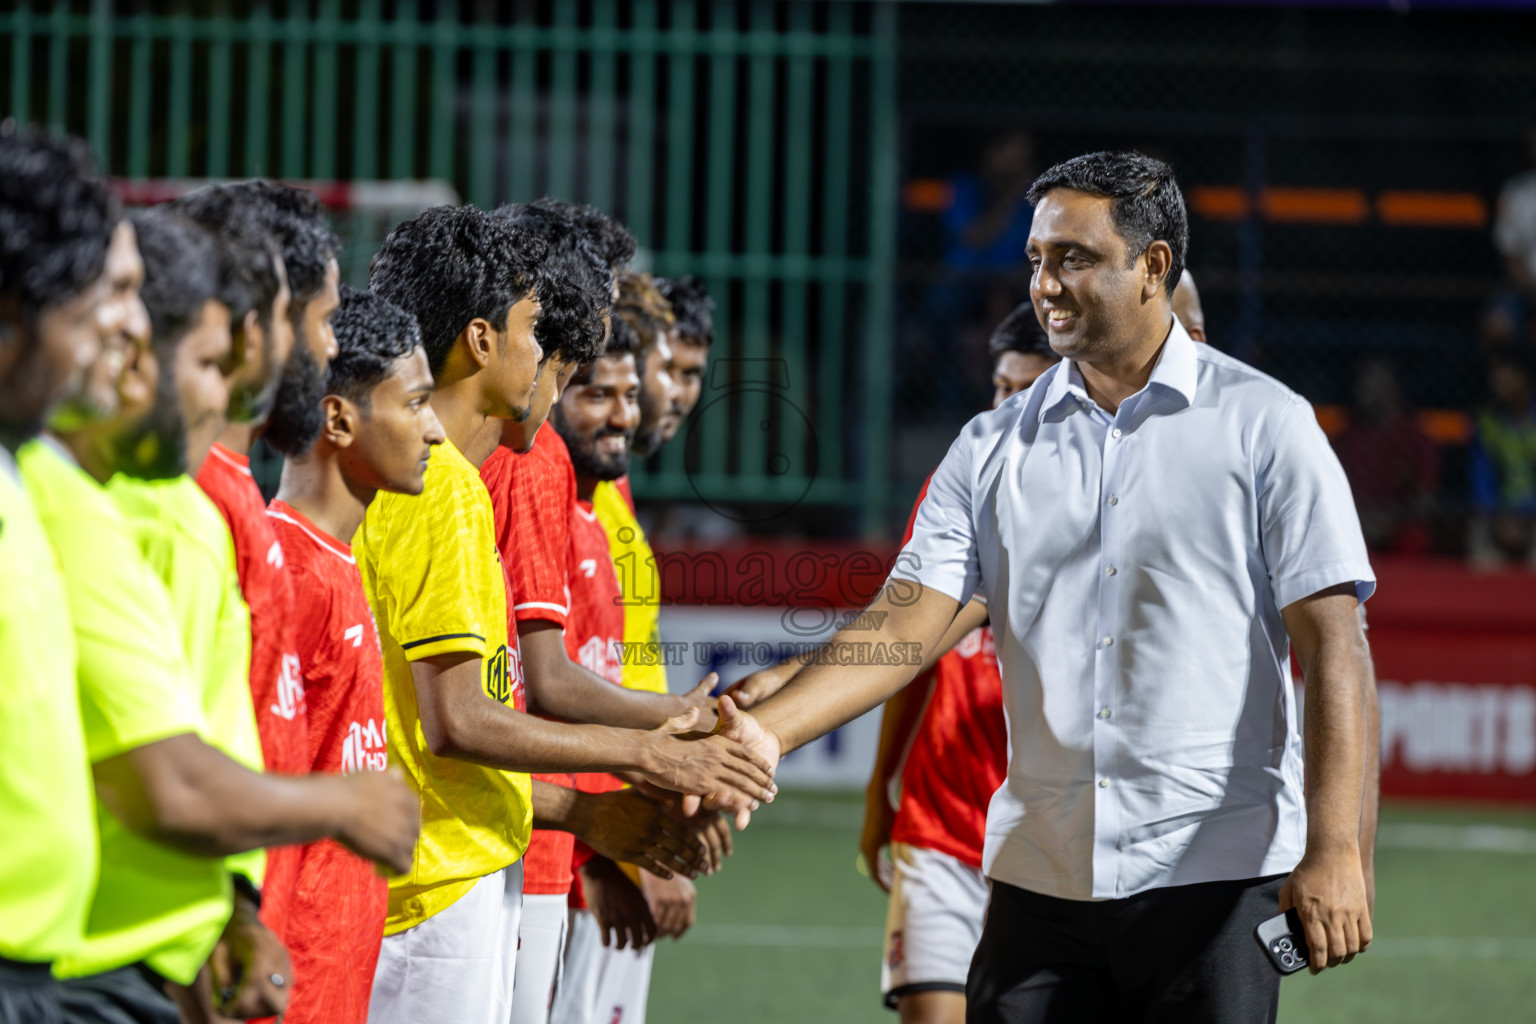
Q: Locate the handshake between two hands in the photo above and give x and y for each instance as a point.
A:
(728, 768)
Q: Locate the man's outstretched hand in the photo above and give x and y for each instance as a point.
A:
(628, 826)
(728, 772)
(739, 729)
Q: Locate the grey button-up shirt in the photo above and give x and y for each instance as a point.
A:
(1135, 565)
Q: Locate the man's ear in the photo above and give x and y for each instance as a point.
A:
(479, 338)
(1159, 257)
(341, 421)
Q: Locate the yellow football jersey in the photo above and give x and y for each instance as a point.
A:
(434, 580)
(640, 584)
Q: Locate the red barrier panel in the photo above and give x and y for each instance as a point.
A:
(1455, 657)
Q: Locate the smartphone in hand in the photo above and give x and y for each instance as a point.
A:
(1282, 938)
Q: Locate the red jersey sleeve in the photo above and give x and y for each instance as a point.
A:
(531, 496)
(906, 538)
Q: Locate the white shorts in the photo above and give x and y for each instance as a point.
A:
(457, 965)
(932, 924)
(600, 984)
(540, 948)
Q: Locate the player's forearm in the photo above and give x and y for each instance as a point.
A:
(192, 797)
(556, 807)
(897, 722)
(559, 687)
(1371, 798)
(497, 736)
(575, 694)
(1337, 739)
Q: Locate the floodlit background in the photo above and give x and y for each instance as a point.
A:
(848, 179)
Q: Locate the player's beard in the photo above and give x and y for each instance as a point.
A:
(155, 448)
(296, 418)
(585, 458)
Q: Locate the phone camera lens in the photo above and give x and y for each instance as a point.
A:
(1288, 960)
(1285, 944)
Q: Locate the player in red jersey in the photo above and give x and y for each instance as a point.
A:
(377, 431)
(533, 494)
(285, 410)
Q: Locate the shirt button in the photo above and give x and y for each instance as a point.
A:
(1109, 641)
(1109, 571)
(1103, 783)
(1115, 432)
(1104, 712)
(1113, 500)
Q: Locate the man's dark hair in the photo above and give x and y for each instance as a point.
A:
(1148, 204)
(371, 334)
(56, 219)
(622, 341)
(184, 268)
(611, 238)
(577, 288)
(296, 220)
(692, 308)
(1020, 331)
(451, 265)
(246, 239)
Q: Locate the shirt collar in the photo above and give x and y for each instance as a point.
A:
(1177, 370)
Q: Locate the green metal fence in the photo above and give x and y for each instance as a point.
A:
(752, 144)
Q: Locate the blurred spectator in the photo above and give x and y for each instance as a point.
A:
(1514, 226)
(1392, 466)
(987, 225)
(1504, 468)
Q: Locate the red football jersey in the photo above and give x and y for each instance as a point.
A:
(531, 494)
(277, 686)
(335, 919)
(959, 756)
(594, 633)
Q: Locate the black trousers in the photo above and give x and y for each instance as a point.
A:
(28, 994)
(1180, 955)
(128, 995)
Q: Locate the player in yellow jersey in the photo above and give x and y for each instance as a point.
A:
(59, 219)
(451, 672)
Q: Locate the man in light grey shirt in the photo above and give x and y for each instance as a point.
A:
(1153, 525)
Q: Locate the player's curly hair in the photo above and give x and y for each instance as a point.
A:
(184, 268)
(1148, 204)
(577, 289)
(453, 264)
(371, 334)
(611, 238)
(1020, 331)
(296, 220)
(56, 218)
(692, 308)
(242, 231)
(642, 307)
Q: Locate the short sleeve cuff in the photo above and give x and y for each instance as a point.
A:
(543, 611)
(1292, 589)
(444, 643)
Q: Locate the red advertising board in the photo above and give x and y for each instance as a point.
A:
(1455, 654)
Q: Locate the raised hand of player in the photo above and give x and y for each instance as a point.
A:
(758, 686)
(629, 826)
(382, 820)
(722, 770)
(672, 902)
(617, 904)
(699, 697)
